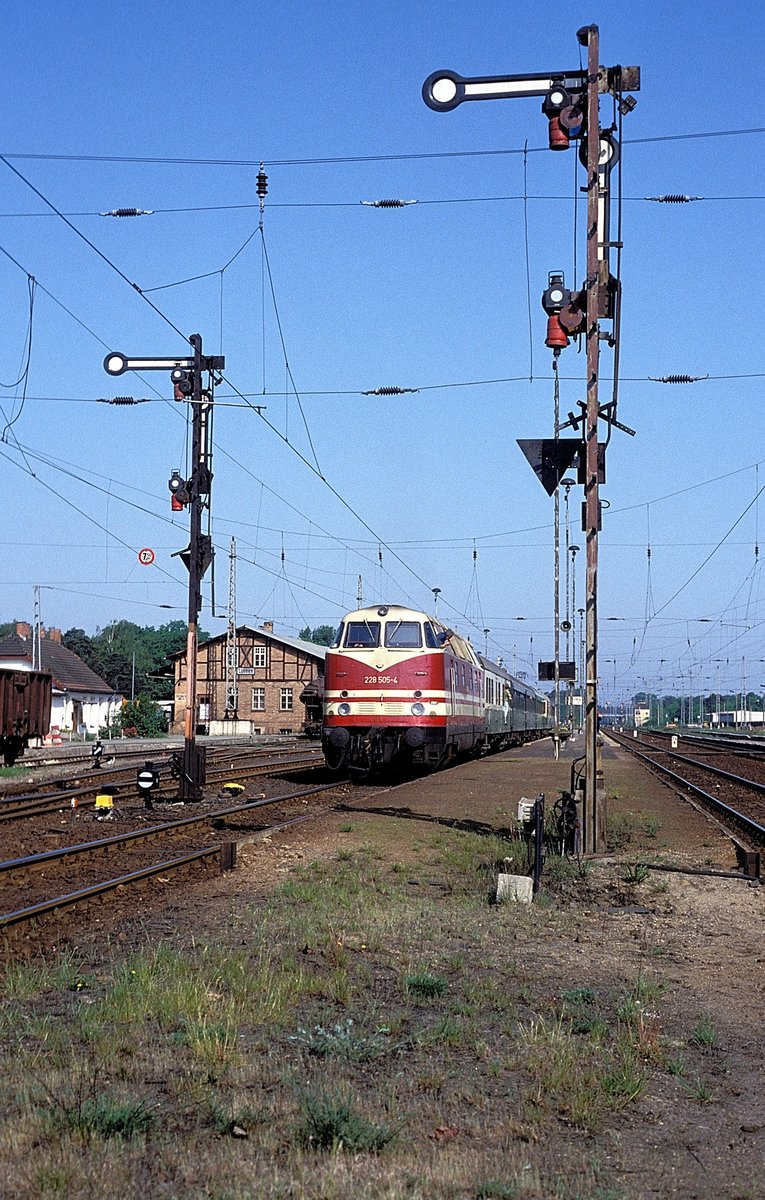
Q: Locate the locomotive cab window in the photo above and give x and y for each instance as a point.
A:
(431, 637)
(403, 635)
(362, 635)
(339, 635)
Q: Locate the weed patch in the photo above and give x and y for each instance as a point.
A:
(105, 1117)
(344, 1042)
(424, 985)
(331, 1121)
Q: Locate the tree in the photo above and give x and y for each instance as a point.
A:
(138, 718)
(80, 644)
(133, 659)
(322, 635)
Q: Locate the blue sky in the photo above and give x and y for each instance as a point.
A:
(433, 296)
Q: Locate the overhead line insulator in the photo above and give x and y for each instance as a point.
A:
(122, 400)
(389, 391)
(387, 203)
(128, 212)
(673, 198)
(677, 378)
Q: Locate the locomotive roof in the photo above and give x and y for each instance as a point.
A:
(400, 612)
(458, 644)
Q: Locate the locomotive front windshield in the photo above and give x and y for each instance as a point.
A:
(403, 635)
(362, 635)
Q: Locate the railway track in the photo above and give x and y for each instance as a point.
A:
(225, 767)
(736, 802)
(739, 744)
(26, 882)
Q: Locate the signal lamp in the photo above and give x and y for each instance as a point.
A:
(555, 297)
(556, 100)
(183, 381)
(179, 491)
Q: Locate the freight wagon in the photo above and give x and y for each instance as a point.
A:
(25, 699)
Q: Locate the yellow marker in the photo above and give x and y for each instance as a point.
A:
(104, 800)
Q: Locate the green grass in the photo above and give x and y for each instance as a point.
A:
(704, 1033)
(339, 1024)
(332, 1121)
(108, 1118)
(424, 985)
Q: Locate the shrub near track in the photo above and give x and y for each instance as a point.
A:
(373, 1029)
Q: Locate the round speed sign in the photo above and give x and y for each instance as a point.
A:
(146, 556)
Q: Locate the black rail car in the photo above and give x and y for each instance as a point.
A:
(25, 699)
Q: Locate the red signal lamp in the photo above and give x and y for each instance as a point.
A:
(555, 298)
(558, 136)
(179, 492)
(557, 338)
(554, 103)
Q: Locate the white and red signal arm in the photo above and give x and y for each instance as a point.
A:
(444, 90)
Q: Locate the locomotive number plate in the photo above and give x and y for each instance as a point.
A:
(381, 679)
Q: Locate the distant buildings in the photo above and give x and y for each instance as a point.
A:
(83, 702)
(272, 671)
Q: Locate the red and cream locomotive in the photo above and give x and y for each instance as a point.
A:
(400, 688)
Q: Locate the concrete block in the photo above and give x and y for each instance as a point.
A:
(515, 887)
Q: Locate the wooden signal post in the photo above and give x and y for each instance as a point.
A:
(571, 104)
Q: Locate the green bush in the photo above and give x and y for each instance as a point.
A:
(137, 718)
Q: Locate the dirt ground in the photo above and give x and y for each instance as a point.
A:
(704, 936)
(694, 1137)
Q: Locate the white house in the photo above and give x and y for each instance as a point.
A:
(83, 702)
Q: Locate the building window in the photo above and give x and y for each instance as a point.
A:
(285, 731)
(258, 699)
(259, 656)
(254, 730)
(285, 699)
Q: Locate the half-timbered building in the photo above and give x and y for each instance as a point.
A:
(271, 672)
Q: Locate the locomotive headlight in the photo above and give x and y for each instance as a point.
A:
(343, 709)
(418, 709)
